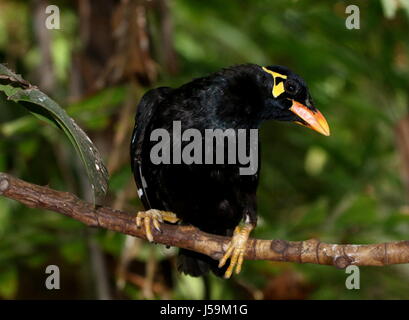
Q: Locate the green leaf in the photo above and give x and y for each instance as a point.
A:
(42, 106)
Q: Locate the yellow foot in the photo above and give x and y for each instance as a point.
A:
(157, 217)
(236, 249)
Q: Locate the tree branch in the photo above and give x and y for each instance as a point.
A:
(189, 237)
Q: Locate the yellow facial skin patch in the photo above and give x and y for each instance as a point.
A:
(278, 88)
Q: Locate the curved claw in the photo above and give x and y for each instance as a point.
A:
(156, 217)
(236, 249)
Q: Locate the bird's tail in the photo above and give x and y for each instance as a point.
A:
(197, 264)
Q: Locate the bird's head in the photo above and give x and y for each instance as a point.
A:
(288, 99)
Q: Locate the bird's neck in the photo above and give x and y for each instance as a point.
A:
(241, 99)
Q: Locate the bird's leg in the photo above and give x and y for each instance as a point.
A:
(157, 217)
(236, 249)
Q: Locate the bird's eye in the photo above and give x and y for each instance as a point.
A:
(291, 87)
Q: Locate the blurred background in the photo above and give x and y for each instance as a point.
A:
(349, 188)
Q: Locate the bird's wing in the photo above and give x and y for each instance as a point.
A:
(146, 109)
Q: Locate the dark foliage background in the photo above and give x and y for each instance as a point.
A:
(348, 188)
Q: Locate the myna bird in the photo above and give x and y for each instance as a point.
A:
(216, 198)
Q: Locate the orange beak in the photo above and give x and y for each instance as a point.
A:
(313, 119)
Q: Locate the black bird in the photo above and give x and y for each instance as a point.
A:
(216, 198)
